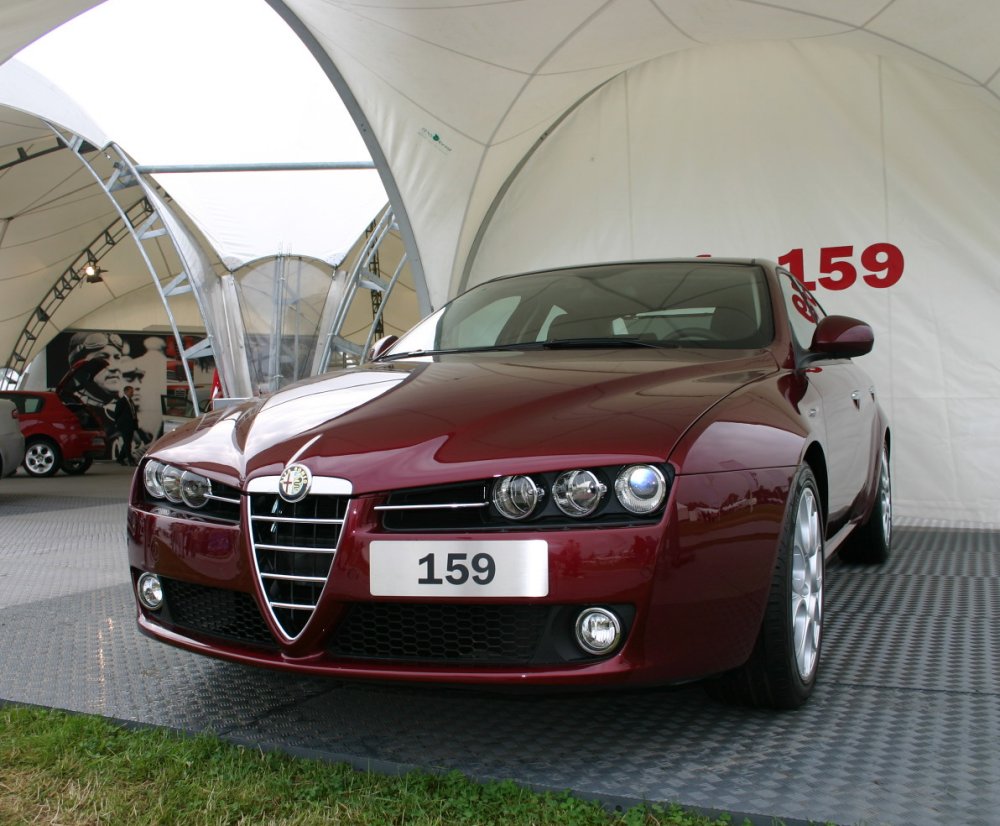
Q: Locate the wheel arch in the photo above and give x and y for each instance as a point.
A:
(816, 459)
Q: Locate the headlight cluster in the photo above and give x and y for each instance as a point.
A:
(164, 481)
(640, 489)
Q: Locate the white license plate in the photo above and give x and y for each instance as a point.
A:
(460, 568)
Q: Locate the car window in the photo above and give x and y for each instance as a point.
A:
(21, 403)
(32, 404)
(673, 303)
(804, 311)
(484, 323)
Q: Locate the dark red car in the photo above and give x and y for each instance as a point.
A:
(57, 434)
(604, 475)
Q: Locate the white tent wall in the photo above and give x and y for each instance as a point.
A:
(810, 126)
(762, 149)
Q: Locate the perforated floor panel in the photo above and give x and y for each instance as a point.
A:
(903, 729)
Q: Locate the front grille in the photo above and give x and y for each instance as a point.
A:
(215, 612)
(294, 547)
(489, 634)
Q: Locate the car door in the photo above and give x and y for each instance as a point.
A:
(843, 397)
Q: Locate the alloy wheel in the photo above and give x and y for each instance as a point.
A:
(807, 584)
(40, 459)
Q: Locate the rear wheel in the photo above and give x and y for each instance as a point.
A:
(77, 467)
(872, 540)
(781, 671)
(41, 458)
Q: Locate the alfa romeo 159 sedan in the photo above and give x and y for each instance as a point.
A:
(616, 474)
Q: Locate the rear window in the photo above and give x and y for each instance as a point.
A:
(25, 404)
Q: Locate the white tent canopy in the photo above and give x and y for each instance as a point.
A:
(175, 89)
(855, 141)
(53, 210)
(858, 138)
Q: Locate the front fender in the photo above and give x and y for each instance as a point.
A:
(761, 425)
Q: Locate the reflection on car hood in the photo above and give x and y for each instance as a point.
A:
(461, 416)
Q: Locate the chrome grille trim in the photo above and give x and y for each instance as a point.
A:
(299, 521)
(435, 506)
(294, 546)
(299, 549)
(290, 578)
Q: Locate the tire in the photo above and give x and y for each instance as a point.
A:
(871, 543)
(42, 458)
(782, 668)
(77, 467)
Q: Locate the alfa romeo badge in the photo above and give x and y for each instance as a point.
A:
(294, 483)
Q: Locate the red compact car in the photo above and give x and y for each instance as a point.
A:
(604, 475)
(57, 434)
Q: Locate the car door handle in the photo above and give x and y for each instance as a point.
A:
(856, 398)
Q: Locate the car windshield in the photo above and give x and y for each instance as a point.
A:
(654, 304)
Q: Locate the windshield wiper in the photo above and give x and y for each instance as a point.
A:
(450, 350)
(601, 342)
(548, 344)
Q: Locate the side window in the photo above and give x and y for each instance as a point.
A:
(32, 404)
(804, 312)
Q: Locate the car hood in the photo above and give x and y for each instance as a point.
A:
(431, 421)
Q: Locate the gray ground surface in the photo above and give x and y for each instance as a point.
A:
(903, 727)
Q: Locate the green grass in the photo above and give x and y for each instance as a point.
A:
(69, 769)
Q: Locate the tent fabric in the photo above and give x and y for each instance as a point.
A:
(887, 171)
(858, 135)
(457, 92)
(53, 210)
(259, 100)
(242, 216)
(515, 135)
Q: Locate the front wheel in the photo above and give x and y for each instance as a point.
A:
(782, 668)
(41, 458)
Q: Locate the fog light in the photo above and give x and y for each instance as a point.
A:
(150, 591)
(598, 631)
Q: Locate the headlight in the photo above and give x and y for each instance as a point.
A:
(578, 492)
(516, 497)
(152, 478)
(195, 489)
(641, 488)
(170, 478)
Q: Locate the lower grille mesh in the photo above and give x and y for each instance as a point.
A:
(215, 612)
(493, 634)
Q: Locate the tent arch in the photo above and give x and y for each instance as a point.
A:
(371, 140)
(33, 335)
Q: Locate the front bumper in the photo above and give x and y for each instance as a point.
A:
(690, 591)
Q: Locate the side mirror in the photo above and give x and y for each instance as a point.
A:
(841, 337)
(380, 346)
